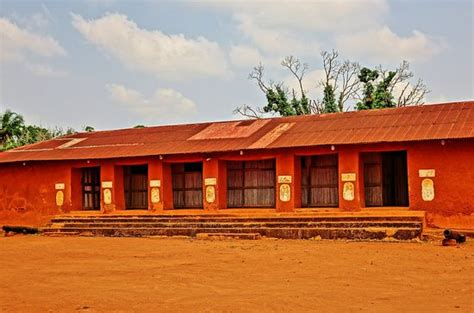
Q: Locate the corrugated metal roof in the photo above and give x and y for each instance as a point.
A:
(415, 123)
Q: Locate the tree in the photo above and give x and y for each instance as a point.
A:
(279, 98)
(11, 126)
(344, 86)
(15, 133)
(340, 78)
(89, 129)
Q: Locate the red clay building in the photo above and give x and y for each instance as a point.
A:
(411, 158)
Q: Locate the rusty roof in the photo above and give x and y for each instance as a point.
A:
(412, 123)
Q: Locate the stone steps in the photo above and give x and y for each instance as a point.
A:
(149, 219)
(356, 227)
(253, 224)
(401, 233)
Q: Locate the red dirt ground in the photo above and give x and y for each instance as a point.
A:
(80, 274)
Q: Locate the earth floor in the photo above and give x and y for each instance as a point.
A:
(85, 274)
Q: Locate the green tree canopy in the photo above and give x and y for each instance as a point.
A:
(15, 133)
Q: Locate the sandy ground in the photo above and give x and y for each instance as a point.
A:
(41, 274)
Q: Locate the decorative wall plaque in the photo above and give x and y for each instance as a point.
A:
(59, 198)
(59, 186)
(210, 194)
(155, 195)
(284, 179)
(155, 183)
(348, 176)
(106, 184)
(107, 196)
(427, 173)
(210, 181)
(285, 193)
(348, 191)
(427, 189)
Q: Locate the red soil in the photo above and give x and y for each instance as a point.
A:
(41, 274)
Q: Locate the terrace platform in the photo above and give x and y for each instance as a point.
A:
(251, 224)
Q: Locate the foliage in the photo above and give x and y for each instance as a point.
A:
(89, 129)
(345, 86)
(376, 96)
(15, 133)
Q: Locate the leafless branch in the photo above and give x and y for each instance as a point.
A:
(297, 69)
(257, 75)
(248, 111)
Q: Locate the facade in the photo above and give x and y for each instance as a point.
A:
(412, 158)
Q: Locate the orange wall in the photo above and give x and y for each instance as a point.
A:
(28, 195)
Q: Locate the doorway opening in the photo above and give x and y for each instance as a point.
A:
(187, 185)
(385, 178)
(135, 182)
(91, 188)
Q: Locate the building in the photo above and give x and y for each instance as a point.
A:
(410, 158)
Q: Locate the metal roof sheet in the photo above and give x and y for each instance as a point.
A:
(415, 123)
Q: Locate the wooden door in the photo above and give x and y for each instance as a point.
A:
(372, 163)
(91, 188)
(319, 181)
(136, 187)
(251, 184)
(187, 185)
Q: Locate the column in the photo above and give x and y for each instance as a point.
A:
(350, 185)
(211, 184)
(285, 183)
(155, 185)
(107, 179)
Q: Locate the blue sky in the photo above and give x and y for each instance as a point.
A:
(116, 64)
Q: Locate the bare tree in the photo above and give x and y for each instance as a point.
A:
(342, 77)
(297, 69)
(400, 86)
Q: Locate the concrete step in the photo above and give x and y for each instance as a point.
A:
(355, 233)
(225, 224)
(247, 236)
(179, 219)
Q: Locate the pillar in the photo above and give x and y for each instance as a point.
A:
(350, 180)
(155, 185)
(285, 183)
(211, 184)
(108, 188)
(167, 186)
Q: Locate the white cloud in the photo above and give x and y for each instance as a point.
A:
(245, 56)
(170, 57)
(384, 45)
(309, 15)
(17, 44)
(305, 27)
(274, 41)
(165, 102)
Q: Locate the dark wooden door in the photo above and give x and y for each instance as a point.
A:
(373, 179)
(251, 184)
(187, 185)
(136, 187)
(319, 181)
(91, 188)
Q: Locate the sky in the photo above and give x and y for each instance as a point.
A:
(116, 64)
